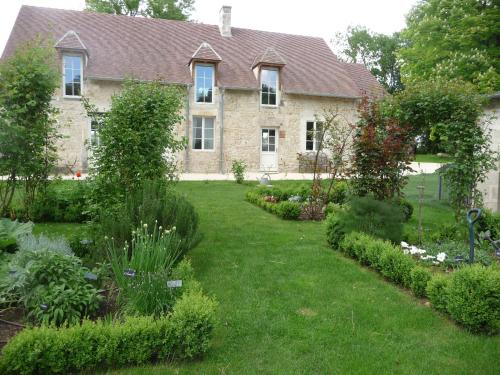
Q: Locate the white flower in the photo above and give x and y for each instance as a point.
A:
(145, 225)
(404, 244)
(425, 257)
(441, 257)
(416, 250)
(173, 229)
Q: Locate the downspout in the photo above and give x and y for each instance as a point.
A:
(188, 122)
(221, 145)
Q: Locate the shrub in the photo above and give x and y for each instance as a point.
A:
(420, 276)
(474, 298)
(10, 233)
(339, 192)
(238, 168)
(365, 248)
(437, 291)
(288, 210)
(335, 230)
(61, 202)
(142, 269)
(396, 266)
(378, 218)
(49, 281)
(406, 207)
(154, 204)
(95, 345)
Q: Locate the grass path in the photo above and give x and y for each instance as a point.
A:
(291, 305)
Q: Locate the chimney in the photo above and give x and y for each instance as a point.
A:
(225, 20)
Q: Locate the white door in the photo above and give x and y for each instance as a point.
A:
(269, 150)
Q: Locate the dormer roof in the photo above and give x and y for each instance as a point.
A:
(71, 41)
(205, 52)
(269, 57)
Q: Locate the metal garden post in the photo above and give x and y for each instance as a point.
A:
(471, 220)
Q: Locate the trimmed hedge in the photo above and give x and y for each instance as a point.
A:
(471, 294)
(286, 210)
(185, 333)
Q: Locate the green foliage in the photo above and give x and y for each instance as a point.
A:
(397, 266)
(142, 270)
(154, 204)
(420, 276)
(238, 168)
(11, 231)
(49, 281)
(61, 202)
(135, 137)
(406, 207)
(437, 291)
(166, 9)
(452, 248)
(365, 248)
(451, 112)
(95, 345)
(452, 39)
(474, 298)
(289, 210)
(339, 192)
(378, 218)
(382, 149)
(28, 133)
(335, 230)
(375, 51)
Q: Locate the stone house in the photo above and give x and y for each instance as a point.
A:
(250, 95)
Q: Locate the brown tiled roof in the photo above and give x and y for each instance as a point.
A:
(205, 52)
(70, 40)
(148, 49)
(367, 83)
(270, 57)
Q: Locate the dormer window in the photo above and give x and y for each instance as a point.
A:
(204, 83)
(269, 86)
(72, 75)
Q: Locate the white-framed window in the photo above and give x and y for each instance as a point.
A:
(204, 83)
(203, 133)
(96, 122)
(269, 86)
(72, 75)
(314, 130)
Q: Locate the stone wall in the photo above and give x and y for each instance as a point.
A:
(243, 119)
(490, 188)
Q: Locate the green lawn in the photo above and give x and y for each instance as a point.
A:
(290, 305)
(431, 158)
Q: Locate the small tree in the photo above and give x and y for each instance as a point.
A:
(452, 112)
(28, 134)
(137, 140)
(382, 153)
(333, 139)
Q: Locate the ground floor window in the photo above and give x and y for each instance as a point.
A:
(95, 126)
(314, 131)
(203, 133)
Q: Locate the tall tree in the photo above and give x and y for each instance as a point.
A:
(167, 9)
(453, 39)
(376, 51)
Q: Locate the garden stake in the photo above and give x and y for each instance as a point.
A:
(471, 220)
(420, 203)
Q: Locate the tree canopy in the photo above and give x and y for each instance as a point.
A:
(167, 9)
(376, 51)
(453, 39)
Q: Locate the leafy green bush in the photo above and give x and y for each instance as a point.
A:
(238, 168)
(10, 233)
(474, 298)
(339, 192)
(154, 204)
(420, 276)
(396, 266)
(453, 248)
(142, 270)
(288, 210)
(335, 231)
(49, 281)
(62, 202)
(406, 207)
(367, 249)
(93, 345)
(378, 218)
(437, 291)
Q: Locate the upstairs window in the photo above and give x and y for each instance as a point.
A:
(72, 75)
(204, 83)
(203, 133)
(314, 132)
(268, 86)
